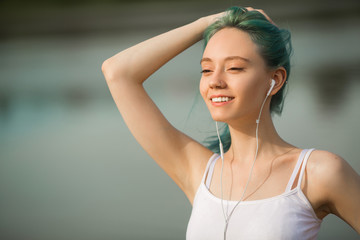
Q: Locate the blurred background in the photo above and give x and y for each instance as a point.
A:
(69, 168)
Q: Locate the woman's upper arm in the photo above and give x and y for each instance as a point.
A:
(341, 186)
(179, 155)
(345, 198)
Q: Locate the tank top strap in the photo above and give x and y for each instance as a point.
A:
(210, 169)
(295, 171)
(303, 166)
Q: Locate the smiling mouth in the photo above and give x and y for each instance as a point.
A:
(221, 99)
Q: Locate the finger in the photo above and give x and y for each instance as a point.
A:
(262, 12)
(265, 15)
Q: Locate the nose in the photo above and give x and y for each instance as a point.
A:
(217, 81)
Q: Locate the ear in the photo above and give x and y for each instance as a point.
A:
(279, 75)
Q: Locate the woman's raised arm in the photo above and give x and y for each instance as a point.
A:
(137, 63)
(180, 156)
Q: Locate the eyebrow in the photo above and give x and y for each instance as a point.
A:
(227, 59)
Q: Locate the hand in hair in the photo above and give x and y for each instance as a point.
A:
(212, 18)
(263, 13)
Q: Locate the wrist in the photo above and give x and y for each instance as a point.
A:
(208, 20)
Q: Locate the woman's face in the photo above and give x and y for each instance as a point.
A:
(235, 78)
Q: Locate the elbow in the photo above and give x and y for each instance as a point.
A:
(112, 71)
(106, 70)
(104, 66)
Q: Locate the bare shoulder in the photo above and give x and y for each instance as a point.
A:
(333, 186)
(326, 172)
(323, 161)
(327, 167)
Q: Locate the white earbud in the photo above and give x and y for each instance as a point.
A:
(271, 87)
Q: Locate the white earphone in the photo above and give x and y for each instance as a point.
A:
(271, 87)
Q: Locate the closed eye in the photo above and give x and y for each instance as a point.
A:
(236, 69)
(205, 71)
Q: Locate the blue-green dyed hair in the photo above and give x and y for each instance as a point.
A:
(274, 45)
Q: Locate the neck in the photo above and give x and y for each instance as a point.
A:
(243, 139)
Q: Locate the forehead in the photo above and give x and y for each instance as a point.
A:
(231, 42)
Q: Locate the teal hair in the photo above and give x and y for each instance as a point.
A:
(274, 46)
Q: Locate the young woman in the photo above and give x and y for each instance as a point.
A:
(262, 187)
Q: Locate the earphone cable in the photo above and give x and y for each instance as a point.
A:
(227, 219)
(222, 169)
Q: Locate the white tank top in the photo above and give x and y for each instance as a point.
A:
(288, 216)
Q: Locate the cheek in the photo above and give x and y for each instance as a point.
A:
(245, 87)
(249, 90)
(202, 88)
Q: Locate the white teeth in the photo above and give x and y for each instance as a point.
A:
(221, 99)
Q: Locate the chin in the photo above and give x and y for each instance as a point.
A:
(230, 117)
(219, 117)
(224, 114)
